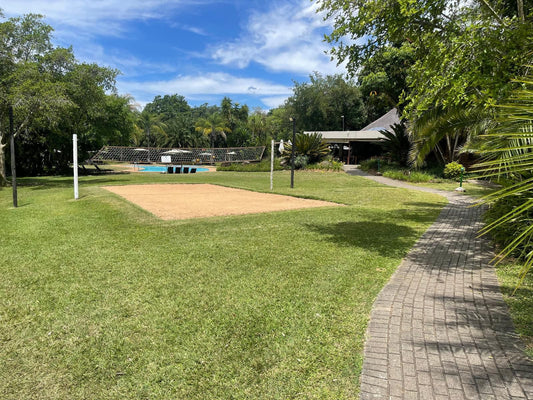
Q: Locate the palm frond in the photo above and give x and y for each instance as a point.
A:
(507, 152)
(459, 125)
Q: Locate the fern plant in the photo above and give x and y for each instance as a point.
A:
(311, 146)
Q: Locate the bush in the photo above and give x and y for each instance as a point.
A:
(408, 176)
(372, 164)
(263, 166)
(327, 165)
(453, 170)
(397, 143)
(300, 161)
(505, 233)
(394, 171)
(311, 146)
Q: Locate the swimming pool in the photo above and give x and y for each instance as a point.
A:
(164, 168)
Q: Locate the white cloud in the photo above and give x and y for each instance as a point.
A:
(104, 17)
(288, 38)
(208, 85)
(274, 101)
(127, 63)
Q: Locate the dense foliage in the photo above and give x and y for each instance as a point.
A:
(453, 170)
(52, 97)
(507, 150)
(397, 143)
(325, 103)
(450, 57)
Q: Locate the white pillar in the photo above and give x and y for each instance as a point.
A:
(75, 164)
(272, 166)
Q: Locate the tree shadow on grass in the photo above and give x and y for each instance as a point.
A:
(421, 212)
(387, 239)
(425, 204)
(481, 328)
(66, 182)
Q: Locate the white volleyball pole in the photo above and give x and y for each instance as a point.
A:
(272, 167)
(75, 162)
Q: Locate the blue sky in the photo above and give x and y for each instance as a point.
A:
(249, 50)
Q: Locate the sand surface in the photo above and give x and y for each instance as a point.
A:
(184, 201)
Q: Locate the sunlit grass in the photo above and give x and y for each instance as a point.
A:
(471, 189)
(521, 303)
(99, 299)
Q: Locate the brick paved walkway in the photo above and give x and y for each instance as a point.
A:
(440, 328)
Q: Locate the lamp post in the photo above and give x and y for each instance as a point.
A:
(461, 188)
(292, 149)
(342, 116)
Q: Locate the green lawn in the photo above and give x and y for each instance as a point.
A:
(471, 189)
(521, 303)
(101, 300)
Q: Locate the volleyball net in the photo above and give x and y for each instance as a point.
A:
(153, 155)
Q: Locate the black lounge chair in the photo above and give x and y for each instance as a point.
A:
(102, 170)
(170, 170)
(178, 170)
(193, 170)
(185, 170)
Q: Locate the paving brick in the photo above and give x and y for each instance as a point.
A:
(440, 328)
(453, 382)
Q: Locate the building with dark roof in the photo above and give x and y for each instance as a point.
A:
(354, 146)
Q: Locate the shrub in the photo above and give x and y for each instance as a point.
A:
(263, 166)
(453, 170)
(300, 161)
(409, 176)
(372, 164)
(311, 146)
(327, 165)
(397, 143)
(505, 233)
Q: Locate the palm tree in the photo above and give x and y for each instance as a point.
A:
(397, 143)
(213, 126)
(508, 152)
(446, 131)
(151, 125)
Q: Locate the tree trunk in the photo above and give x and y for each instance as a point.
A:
(440, 153)
(3, 177)
(520, 6)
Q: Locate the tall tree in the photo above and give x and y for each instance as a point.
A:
(213, 127)
(321, 103)
(152, 126)
(28, 77)
(52, 95)
(176, 114)
(382, 79)
(168, 106)
(464, 53)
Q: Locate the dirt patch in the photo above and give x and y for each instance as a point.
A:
(184, 201)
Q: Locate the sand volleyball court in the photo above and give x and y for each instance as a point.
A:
(184, 201)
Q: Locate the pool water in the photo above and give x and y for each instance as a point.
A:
(162, 168)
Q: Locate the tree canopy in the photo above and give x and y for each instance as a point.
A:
(52, 96)
(321, 104)
(462, 55)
